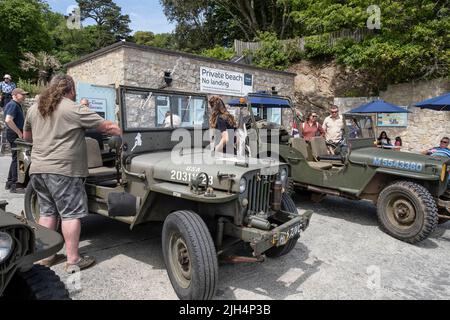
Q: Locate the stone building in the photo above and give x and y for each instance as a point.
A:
(130, 64)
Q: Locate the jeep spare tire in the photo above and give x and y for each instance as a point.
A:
(407, 211)
(288, 205)
(190, 256)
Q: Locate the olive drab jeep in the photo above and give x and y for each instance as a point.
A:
(208, 202)
(411, 191)
(22, 243)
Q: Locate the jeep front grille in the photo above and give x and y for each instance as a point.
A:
(259, 189)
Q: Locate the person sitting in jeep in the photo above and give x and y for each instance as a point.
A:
(442, 150)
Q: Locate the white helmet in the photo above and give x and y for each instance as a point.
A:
(7, 76)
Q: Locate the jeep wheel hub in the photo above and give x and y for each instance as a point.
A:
(403, 212)
(180, 260)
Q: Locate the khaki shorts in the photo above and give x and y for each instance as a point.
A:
(60, 195)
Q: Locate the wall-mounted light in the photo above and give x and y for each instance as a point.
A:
(274, 91)
(168, 77)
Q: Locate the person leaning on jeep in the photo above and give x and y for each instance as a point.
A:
(56, 125)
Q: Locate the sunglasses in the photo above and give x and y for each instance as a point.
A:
(443, 141)
(315, 116)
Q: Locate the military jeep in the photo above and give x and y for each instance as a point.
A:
(23, 243)
(411, 191)
(208, 202)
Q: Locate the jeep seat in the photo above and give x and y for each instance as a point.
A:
(300, 145)
(320, 151)
(97, 172)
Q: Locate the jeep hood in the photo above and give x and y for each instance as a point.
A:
(401, 161)
(182, 168)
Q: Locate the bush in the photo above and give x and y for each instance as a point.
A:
(32, 88)
(219, 52)
(272, 54)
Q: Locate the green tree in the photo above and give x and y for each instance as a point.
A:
(43, 64)
(413, 41)
(23, 30)
(271, 55)
(147, 38)
(111, 24)
(219, 52)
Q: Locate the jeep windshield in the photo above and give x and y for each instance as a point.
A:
(359, 126)
(146, 110)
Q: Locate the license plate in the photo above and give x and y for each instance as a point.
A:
(291, 233)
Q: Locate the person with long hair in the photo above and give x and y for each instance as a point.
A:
(384, 140)
(224, 125)
(57, 126)
(311, 128)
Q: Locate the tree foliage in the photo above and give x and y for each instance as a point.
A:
(161, 40)
(23, 30)
(111, 24)
(43, 64)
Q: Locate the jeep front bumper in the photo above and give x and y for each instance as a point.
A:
(262, 240)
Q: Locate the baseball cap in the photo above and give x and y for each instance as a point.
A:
(19, 91)
(7, 76)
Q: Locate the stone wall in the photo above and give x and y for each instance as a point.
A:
(146, 69)
(104, 70)
(132, 65)
(425, 127)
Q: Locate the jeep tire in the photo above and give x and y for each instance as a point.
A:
(288, 205)
(39, 283)
(407, 211)
(32, 212)
(190, 256)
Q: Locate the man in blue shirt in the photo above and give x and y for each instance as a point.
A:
(442, 150)
(14, 120)
(6, 89)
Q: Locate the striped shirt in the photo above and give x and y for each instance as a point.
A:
(439, 152)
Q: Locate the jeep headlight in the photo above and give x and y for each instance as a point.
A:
(284, 176)
(6, 246)
(243, 185)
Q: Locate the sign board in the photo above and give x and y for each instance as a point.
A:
(392, 119)
(97, 105)
(224, 82)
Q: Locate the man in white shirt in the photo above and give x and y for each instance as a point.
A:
(334, 126)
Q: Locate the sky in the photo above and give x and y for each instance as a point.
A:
(145, 15)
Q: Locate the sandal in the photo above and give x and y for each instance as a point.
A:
(52, 261)
(84, 263)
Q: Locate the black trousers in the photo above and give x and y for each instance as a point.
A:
(11, 136)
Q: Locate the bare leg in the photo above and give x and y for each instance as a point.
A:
(48, 222)
(71, 231)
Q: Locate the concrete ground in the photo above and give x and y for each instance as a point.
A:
(343, 255)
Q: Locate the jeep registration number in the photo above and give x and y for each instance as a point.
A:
(292, 233)
(184, 176)
(397, 164)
